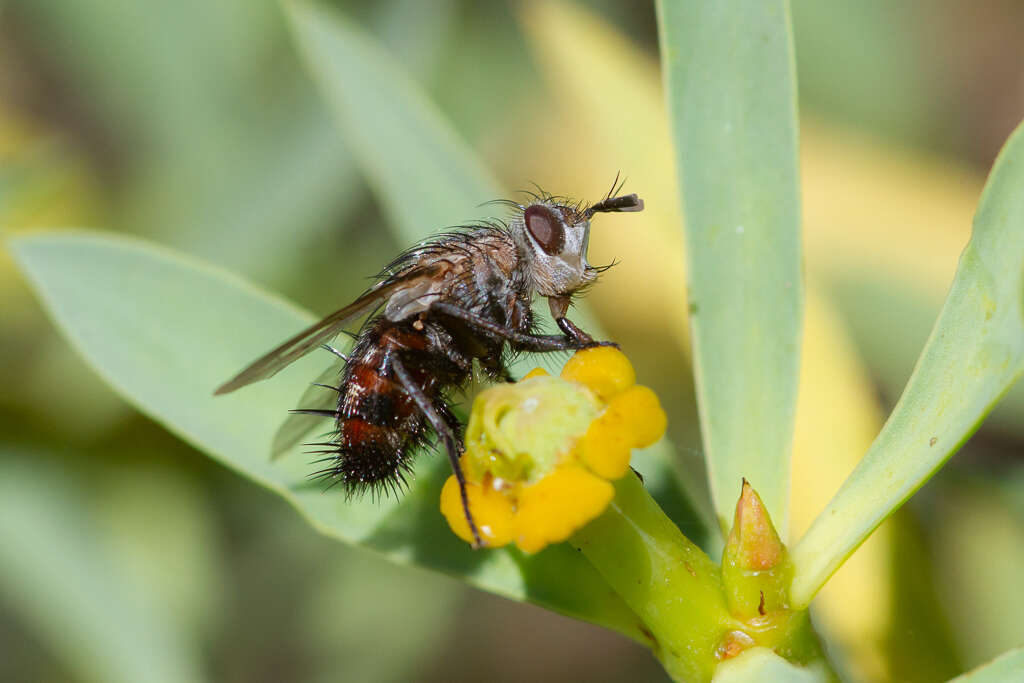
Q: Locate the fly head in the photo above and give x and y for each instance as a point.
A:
(553, 236)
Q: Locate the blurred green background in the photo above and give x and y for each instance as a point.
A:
(126, 555)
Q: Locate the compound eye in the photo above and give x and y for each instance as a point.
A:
(546, 228)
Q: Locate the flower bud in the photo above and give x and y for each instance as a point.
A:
(755, 564)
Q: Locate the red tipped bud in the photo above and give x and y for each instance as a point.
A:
(755, 564)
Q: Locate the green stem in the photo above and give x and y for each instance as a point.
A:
(677, 592)
(674, 588)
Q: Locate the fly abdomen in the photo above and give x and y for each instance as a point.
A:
(379, 408)
(378, 424)
(368, 457)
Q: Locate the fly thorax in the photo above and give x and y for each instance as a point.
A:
(414, 299)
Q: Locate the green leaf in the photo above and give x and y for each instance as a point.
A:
(225, 152)
(1007, 667)
(731, 94)
(286, 193)
(164, 331)
(55, 575)
(761, 664)
(870, 301)
(427, 177)
(973, 356)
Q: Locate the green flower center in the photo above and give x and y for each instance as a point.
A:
(520, 432)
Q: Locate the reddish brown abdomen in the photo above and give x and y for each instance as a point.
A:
(378, 424)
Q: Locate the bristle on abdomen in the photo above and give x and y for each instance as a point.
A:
(378, 428)
(369, 465)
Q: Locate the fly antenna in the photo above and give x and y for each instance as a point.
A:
(628, 202)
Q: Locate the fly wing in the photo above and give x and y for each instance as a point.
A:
(321, 395)
(316, 335)
(298, 346)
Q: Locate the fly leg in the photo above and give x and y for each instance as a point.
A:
(559, 305)
(445, 435)
(494, 367)
(571, 331)
(519, 340)
(451, 420)
(582, 339)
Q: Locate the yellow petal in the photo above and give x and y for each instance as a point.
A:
(536, 372)
(641, 411)
(604, 369)
(492, 512)
(556, 506)
(606, 447)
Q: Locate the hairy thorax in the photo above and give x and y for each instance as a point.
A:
(479, 270)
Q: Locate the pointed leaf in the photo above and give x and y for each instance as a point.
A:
(1008, 666)
(426, 177)
(731, 93)
(165, 330)
(973, 356)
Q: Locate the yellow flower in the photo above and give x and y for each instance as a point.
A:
(493, 512)
(540, 454)
(604, 369)
(559, 504)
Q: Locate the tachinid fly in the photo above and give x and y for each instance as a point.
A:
(455, 298)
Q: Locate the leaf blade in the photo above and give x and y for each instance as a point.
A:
(973, 356)
(426, 176)
(160, 342)
(731, 93)
(1008, 666)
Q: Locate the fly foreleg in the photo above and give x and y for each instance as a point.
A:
(571, 331)
(445, 434)
(518, 340)
(559, 305)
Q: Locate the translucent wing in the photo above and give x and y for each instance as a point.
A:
(313, 337)
(320, 395)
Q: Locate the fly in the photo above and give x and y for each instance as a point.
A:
(456, 298)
